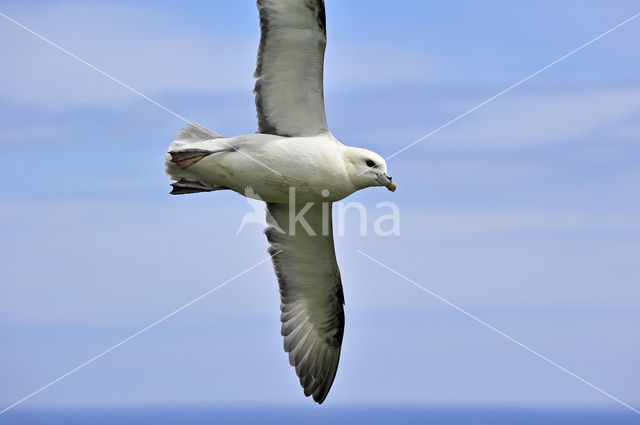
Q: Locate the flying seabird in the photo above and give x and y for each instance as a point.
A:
(299, 169)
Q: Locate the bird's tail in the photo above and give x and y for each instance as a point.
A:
(192, 133)
(186, 150)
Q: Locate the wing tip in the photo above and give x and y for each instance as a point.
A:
(318, 387)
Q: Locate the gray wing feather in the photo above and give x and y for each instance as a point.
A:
(311, 298)
(289, 71)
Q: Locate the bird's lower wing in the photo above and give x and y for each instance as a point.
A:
(310, 292)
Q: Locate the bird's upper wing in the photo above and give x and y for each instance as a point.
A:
(289, 96)
(310, 293)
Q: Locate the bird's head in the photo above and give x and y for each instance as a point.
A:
(367, 168)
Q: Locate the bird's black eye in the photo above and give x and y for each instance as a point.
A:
(370, 163)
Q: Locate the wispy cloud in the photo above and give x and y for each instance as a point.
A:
(162, 57)
(546, 117)
(158, 57)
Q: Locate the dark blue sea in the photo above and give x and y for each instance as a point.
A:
(320, 415)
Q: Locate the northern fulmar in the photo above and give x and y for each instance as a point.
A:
(299, 169)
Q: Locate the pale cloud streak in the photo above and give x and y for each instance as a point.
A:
(153, 58)
(161, 58)
(537, 118)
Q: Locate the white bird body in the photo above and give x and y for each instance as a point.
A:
(267, 166)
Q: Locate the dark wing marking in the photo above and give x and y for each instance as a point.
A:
(187, 157)
(184, 187)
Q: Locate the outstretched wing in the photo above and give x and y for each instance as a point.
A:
(289, 96)
(310, 293)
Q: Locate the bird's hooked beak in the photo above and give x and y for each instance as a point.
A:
(391, 185)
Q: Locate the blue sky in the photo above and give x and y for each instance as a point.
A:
(525, 213)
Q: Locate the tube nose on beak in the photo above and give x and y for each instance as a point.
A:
(392, 186)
